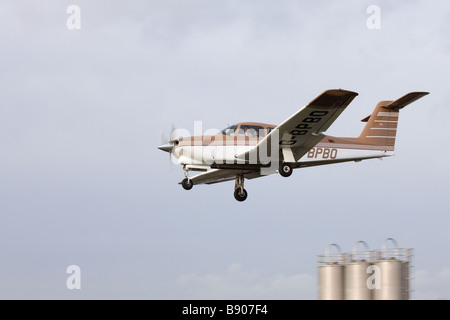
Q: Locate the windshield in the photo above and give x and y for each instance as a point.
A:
(251, 131)
(230, 130)
(246, 130)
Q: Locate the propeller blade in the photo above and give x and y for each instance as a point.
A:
(163, 138)
(168, 145)
(173, 133)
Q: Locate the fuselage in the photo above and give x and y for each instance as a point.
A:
(221, 149)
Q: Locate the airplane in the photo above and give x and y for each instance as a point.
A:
(250, 150)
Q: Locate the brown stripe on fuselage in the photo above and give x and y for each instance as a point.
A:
(350, 143)
(217, 140)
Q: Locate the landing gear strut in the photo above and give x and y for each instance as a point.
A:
(285, 169)
(240, 194)
(187, 184)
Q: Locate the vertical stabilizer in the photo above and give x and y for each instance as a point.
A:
(381, 127)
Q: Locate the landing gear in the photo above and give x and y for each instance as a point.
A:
(285, 169)
(240, 194)
(187, 184)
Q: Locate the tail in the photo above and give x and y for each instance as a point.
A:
(381, 127)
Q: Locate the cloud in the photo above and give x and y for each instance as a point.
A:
(238, 283)
(432, 286)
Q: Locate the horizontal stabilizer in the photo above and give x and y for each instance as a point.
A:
(365, 119)
(401, 102)
(406, 99)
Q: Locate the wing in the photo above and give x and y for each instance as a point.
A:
(302, 131)
(222, 175)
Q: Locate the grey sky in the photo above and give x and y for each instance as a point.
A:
(82, 112)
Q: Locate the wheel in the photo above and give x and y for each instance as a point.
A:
(187, 184)
(240, 196)
(285, 169)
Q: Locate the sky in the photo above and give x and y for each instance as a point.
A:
(82, 111)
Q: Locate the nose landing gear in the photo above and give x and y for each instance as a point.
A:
(187, 184)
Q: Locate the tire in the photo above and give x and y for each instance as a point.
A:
(285, 169)
(240, 196)
(187, 184)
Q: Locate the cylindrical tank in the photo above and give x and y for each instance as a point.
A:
(393, 274)
(331, 282)
(356, 274)
(392, 282)
(331, 275)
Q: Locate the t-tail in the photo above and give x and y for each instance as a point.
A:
(381, 127)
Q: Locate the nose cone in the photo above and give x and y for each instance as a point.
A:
(168, 147)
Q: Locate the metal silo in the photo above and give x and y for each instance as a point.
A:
(394, 278)
(331, 275)
(356, 266)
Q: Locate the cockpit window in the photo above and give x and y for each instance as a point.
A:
(246, 130)
(251, 131)
(229, 131)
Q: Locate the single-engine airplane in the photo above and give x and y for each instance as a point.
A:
(249, 150)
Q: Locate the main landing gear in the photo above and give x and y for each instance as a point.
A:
(285, 169)
(240, 194)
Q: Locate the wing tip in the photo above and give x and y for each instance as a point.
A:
(340, 92)
(334, 97)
